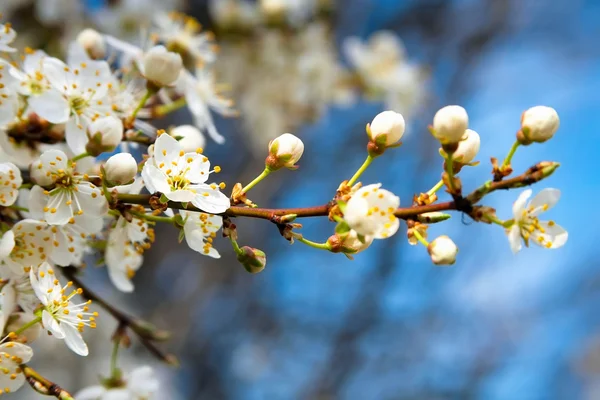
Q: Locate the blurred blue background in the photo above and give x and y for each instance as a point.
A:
(390, 325)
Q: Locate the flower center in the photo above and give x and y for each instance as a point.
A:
(78, 104)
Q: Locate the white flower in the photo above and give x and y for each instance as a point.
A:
(200, 230)
(388, 125)
(72, 195)
(468, 147)
(92, 42)
(7, 35)
(370, 212)
(9, 101)
(442, 251)
(61, 317)
(13, 355)
(181, 33)
(104, 134)
(121, 168)
(161, 66)
(190, 138)
(450, 124)
(78, 96)
(141, 384)
(202, 96)
(539, 123)
(285, 151)
(124, 249)
(10, 180)
(32, 80)
(26, 245)
(181, 176)
(528, 227)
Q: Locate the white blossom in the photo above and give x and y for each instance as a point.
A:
(7, 36)
(181, 176)
(285, 151)
(468, 147)
(528, 227)
(60, 316)
(141, 384)
(539, 123)
(370, 212)
(450, 124)
(10, 180)
(104, 134)
(26, 245)
(388, 125)
(161, 67)
(72, 195)
(189, 137)
(200, 230)
(9, 101)
(92, 42)
(121, 168)
(31, 77)
(13, 355)
(442, 251)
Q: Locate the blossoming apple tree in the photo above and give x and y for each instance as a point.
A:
(58, 202)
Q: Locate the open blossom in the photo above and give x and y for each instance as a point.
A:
(9, 101)
(141, 384)
(30, 76)
(181, 33)
(10, 180)
(26, 245)
(72, 195)
(200, 229)
(370, 212)
(13, 355)
(78, 96)
(202, 97)
(181, 176)
(61, 316)
(528, 227)
(7, 36)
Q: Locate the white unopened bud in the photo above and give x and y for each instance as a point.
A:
(93, 43)
(442, 250)
(120, 169)
(348, 243)
(387, 128)
(104, 134)
(450, 124)
(162, 67)
(284, 151)
(539, 123)
(468, 147)
(190, 138)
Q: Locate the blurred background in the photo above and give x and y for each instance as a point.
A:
(388, 325)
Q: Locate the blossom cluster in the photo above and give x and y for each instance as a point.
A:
(84, 175)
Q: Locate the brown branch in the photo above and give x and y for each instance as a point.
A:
(146, 333)
(44, 386)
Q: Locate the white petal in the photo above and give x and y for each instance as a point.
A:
(59, 213)
(7, 244)
(181, 195)
(91, 393)
(166, 149)
(210, 200)
(156, 179)
(36, 202)
(388, 231)
(54, 159)
(543, 201)
(8, 301)
(117, 394)
(12, 384)
(74, 340)
(22, 351)
(75, 135)
(8, 108)
(554, 234)
(519, 205)
(119, 278)
(142, 382)
(57, 72)
(52, 325)
(514, 238)
(50, 105)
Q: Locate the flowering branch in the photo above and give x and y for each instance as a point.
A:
(44, 386)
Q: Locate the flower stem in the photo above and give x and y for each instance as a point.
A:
(164, 109)
(360, 171)
(511, 153)
(153, 218)
(256, 180)
(26, 186)
(22, 329)
(320, 246)
(420, 238)
(114, 370)
(44, 386)
(14, 207)
(450, 171)
(141, 104)
(80, 156)
(236, 246)
(435, 188)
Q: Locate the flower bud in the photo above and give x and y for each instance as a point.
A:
(92, 42)
(348, 243)
(468, 147)
(120, 169)
(253, 260)
(387, 128)
(190, 138)
(284, 151)
(450, 124)
(162, 67)
(539, 123)
(104, 134)
(442, 250)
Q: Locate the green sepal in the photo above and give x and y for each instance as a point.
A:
(342, 227)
